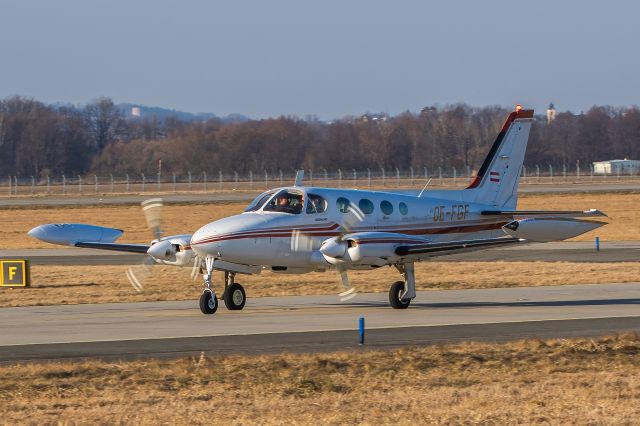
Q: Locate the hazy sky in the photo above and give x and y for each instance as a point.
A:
(329, 58)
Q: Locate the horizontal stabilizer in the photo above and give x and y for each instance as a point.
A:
(543, 213)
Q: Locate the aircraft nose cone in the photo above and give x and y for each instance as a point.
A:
(224, 237)
(203, 241)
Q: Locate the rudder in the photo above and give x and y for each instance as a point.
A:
(497, 180)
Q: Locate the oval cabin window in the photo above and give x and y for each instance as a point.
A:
(366, 206)
(386, 207)
(343, 205)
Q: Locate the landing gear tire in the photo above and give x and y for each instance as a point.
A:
(208, 303)
(395, 291)
(234, 297)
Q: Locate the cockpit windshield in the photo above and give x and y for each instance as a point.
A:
(259, 201)
(286, 201)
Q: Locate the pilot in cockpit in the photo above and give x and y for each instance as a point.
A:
(288, 203)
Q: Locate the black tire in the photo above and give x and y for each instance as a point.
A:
(234, 297)
(395, 291)
(208, 303)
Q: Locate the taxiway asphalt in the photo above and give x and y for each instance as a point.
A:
(315, 323)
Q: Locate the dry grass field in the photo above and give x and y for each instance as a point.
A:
(186, 218)
(54, 285)
(585, 381)
(177, 219)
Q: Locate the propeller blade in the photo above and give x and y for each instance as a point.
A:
(348, 295)
(353, 216)
(138, 275)
(197, 268)
(301, 242)
(350, 292)
(152, 209)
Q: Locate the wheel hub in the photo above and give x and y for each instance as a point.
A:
(237, 297)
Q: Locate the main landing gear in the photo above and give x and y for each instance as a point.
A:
(234, 295)
(402, 292)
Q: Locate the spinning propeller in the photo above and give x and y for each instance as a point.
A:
(152, 209)
(334, 249)
(138, 275)
(159, 250)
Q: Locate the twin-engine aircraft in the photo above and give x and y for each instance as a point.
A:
(298, 229)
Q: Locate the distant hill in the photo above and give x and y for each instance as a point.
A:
(131, 110)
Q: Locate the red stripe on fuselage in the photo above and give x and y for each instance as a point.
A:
(419, 231)
(279, 230)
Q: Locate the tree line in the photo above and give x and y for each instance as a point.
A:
(39, 140)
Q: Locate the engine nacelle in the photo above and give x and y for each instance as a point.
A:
(549, 229)
(358, 251)
(173, 250)
(365, 248)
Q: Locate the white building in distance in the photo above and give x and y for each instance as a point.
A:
(551, 113)
(615, 167)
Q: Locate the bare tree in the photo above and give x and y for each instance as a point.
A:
(104, 122)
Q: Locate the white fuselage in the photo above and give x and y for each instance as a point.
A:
(282, 240)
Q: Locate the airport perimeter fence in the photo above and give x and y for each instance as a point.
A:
(368, 179)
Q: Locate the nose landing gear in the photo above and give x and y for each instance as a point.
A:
(208, 299)
(208, 302)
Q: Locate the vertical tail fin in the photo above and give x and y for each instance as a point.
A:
(497, 180)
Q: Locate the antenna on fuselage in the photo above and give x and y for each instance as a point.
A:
(299, 176)
(425, 187)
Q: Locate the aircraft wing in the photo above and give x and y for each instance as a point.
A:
(547, 213)
(129, 248)
(427, 250)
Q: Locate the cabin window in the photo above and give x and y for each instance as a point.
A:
(366, 206)
(316, 204)
(343, 205)
(402, 207)
(285, 201)
(386, 207)
(259, 201)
